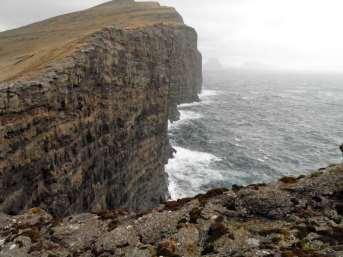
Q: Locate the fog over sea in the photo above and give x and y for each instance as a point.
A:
(253, 127)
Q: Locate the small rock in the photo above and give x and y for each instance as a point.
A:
(253, 242)
(167, 248)
(194, 214)
(218, 229)
(289, 180)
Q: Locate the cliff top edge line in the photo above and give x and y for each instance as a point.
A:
(25, 51)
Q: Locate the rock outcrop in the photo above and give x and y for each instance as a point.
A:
(84, 105)
(293, 217)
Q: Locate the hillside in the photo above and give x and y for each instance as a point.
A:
(26, 50)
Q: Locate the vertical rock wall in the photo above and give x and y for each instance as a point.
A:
(91, 132)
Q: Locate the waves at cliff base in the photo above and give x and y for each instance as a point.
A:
(253, 129)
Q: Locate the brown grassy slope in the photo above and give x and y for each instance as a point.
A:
(26, 50)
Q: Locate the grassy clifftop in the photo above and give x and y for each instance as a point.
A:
(26, 50)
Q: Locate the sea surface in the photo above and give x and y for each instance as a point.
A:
(253, 127)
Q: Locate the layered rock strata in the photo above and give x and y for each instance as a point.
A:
(293, 217)
(84, 123)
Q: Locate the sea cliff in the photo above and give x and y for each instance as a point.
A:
(85, 100)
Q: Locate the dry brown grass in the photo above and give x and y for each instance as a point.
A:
(26, 50)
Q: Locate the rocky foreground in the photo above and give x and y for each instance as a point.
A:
(293, 217)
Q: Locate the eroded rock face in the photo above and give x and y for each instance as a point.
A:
(301, 218)
(89, 132)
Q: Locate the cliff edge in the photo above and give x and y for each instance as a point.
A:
(300, 217)
(85, 100)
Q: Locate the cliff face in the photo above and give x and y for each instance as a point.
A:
(293, 217)
(88, 130)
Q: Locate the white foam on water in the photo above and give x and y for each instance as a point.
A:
(189, 171)
(208, 96)
(189, 115)
(189, 105)
(205, 98)
(248, 98)
(207, 92)
(185, 117)
(298, 91)
(238, 139)
(237, 144)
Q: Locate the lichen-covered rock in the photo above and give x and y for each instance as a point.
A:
(88, 131)
(207, 225)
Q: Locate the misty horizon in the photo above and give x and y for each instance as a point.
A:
(264, 35)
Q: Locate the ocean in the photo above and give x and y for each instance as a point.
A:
(254, 127)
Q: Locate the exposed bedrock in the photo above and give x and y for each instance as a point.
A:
(89, 132)
(293, 217)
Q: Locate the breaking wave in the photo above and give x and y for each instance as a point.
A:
(257, 130)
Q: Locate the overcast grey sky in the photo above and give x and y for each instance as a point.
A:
(293, 34)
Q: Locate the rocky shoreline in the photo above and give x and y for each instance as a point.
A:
(292, 217)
